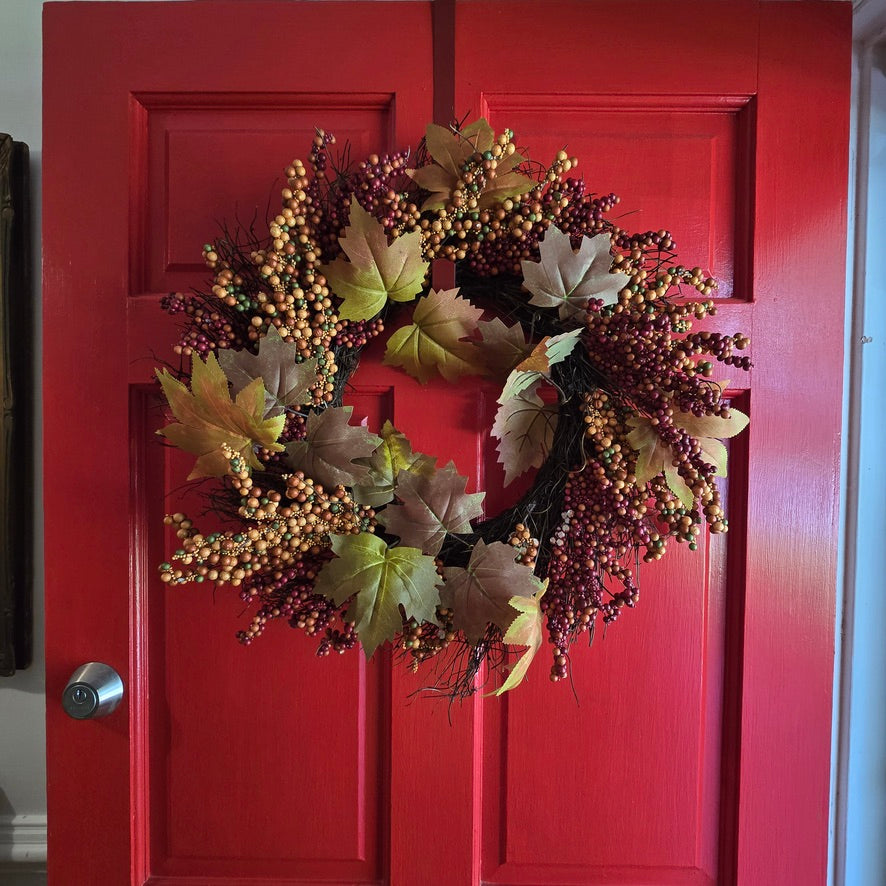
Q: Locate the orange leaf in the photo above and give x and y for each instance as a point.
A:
(208, 420)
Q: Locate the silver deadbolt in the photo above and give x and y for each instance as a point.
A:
(94, 690)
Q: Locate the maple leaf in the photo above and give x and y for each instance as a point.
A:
(432, 343)
(525, 630)
(381, 580)
(481, 594)
(330, 446)
(431, 506)
(537, 366)
(506, 183)
(286, 382)
(524, 425)
(501, 347)
(517, 382)
(550, 350)
(208, 420)
(377, 270)
(655, 456)
(451, 150)
(566, 280)
(394, 454)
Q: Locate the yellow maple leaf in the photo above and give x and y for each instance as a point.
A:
(655, 456)
(377, 270)
(525, 630)
(451, 150)
(382, 583)
(209, 421)
(433, 341)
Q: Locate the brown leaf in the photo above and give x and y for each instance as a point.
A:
(431, 506)
(286, 382)
(566, 279)
(501, 347)
(451, 150)
(330, 447)
(481, 594)
(524, 425)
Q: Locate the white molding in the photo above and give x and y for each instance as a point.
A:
(857, 244)
(851, 844)
(23, 839)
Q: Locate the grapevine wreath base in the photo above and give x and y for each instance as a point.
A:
(356, 538)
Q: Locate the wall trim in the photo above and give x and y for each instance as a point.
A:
(23, 839)
(869, 31)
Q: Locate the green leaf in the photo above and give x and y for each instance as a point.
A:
(481, 594)
(524, 426)
(537, 366)
(381, 580)
(433, 342)
(377, 270)
(331, 445)
(431, 506)
(679, 487)
(286, 382)
(394, 454)
(559, 347)
(525, 630)
(566, 280)
(517, 382)
(208, 421)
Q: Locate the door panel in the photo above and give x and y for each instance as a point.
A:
(674, 158)
(296, 744)
(650, 706)
(264, 763)
(662, 708)
(625, 733)
(693, 744)
(200, 166)
(233, 724)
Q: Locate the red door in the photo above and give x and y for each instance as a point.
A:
(695, 748)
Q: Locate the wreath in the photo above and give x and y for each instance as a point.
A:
(358, 539)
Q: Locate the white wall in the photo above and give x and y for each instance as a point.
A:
(863, 749)
(22, 706)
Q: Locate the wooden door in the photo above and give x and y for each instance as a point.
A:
(715, 707)
(695, 747)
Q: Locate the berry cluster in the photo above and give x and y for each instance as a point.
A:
(275, 557)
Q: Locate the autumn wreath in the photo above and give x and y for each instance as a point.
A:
(355, 537)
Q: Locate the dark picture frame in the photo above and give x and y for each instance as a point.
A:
(17, 413)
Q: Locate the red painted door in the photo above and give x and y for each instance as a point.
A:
(696, 746)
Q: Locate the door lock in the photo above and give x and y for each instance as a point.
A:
(94, 690)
